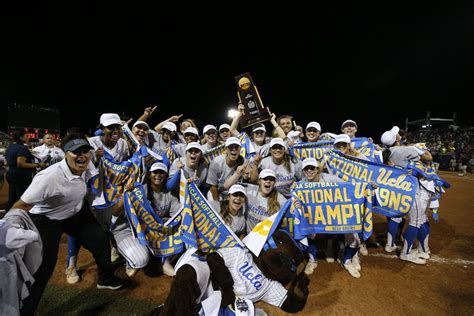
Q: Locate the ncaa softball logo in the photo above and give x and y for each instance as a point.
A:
(244, 83)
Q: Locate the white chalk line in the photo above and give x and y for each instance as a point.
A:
(433, 258)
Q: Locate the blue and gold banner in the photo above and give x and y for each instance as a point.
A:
(247, 150)
(148, 227)
(318, 149)
(396, 188)
(113, 176)
(201, 226)
(311, 150)
(332, 208)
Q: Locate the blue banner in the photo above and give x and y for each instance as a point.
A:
(396, 188)
(113, 176)
(201, 226)
(333, 208)
(148, 227)
(318, 149)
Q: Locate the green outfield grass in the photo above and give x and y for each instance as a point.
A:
(58, 300)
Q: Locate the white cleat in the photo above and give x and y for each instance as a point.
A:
(310, 266)
(421, 254)
(330, 260)
(71, 275)
(356, 263)
(351, 269)
(393, 248)
(363, 250)
(411, 257)
(130, 271)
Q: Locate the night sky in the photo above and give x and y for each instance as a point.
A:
(374, 64)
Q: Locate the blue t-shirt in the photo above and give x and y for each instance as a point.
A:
(13, 152)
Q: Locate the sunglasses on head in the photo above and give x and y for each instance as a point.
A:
(82, 150)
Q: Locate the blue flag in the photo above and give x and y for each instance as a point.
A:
(396, 188)
(201, 226)
(333, 208)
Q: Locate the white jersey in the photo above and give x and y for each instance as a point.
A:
(284, 179)
(49, 154)
(257, 206)
(238, 221)
(120, 151)
(249, 281)
(219, 171)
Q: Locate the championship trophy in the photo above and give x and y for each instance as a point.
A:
(248, 95)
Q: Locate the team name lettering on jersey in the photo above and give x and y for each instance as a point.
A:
(246, 270)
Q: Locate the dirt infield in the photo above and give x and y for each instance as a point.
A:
(445, 286)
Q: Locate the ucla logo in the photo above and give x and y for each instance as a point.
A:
(245, 270)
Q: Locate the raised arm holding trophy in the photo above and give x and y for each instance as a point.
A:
(248, 95)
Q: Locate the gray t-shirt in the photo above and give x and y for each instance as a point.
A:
(257, 206)
(284, 178)
(180, 150)
(238, 221)
(219, 171)
(156, 142)
(188, 172)
(165, 204)
(402, 155)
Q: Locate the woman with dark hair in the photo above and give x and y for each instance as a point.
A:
(21, 166)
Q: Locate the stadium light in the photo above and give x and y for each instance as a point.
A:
(232, 113)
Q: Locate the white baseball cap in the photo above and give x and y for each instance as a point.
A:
(169, 126)
(347, 122)
(310, 162)
(159, 166)
(209, 128)
(395, 130)
(141, 123)
(191, 130)
(342, 138)
(277, 141)
(107, 119)
(193, 145)
(388, 138)
(224, 126)
(266, 173)
(237, 188)
(315, 125)
(232, 141)
(259, 127)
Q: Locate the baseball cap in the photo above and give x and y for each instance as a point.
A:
(159, 166)
(266, 173)
(209, 128)
(259, 127)
(388, 138)
(348, 122)
(169, 126)
(232, 141)
(107, 119)
(277, 141)
(193, 145)
(342, 138)
(141, 123)
(224, 126)
(310, 162)
(191, 130)
(315, 125)
(237, 188)
(76, 143)
(395, 130)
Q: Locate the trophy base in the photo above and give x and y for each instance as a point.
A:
(252, 120)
